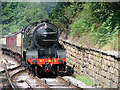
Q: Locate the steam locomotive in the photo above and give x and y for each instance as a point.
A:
(37, 44)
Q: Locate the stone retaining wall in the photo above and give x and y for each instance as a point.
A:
(101, 67)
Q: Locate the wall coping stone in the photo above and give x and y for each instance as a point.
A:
(114, 54)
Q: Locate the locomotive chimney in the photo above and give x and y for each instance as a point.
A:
(44, 20)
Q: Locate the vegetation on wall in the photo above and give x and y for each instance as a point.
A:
(100, 21)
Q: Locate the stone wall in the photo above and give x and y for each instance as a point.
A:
(101, 67)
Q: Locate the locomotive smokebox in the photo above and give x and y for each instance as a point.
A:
(45, 35)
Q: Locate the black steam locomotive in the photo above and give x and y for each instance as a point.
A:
(43, 51)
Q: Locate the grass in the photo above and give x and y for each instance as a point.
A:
(84, 79)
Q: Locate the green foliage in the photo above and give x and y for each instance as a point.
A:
(85, 80)
(78, 27)
(98, 65)
(101, 20)
(16, 15)
(108, 31)
(63, 14)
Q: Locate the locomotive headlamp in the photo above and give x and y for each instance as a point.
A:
(34, 61)
(60, 60)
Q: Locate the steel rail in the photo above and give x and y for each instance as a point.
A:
(13, 86)
(9, 78)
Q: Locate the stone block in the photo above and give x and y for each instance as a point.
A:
(101, 78)
(105, 67)
(96, 69)
(86, 64)
(87, 71)
(95, 53)
(108, 75)
(91, 52)
(92, 57)
(86, 51)
(80, 57)
(112, 64)
(89, 56)
(76, 51)
(72, 58)
(111, 77)
(116, 79)
(104, 62)
(80, 62)
(103, 73)
(80, 53)
(69, 48)
(90, 72)
(91, 61)
(80, 67)
(90, 67)
(116, 65)
(73, 54)
(116, 72)
(98, 82)
(112, 59)
(111, 70)
(113, 85)
(108, 58)
(104, 57)
(99, 60)
(108, 62)
(107, 81)
(73, 50)
(105, 86)
(96, 75)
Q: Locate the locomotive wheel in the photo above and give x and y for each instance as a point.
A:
(4, 52)
(18, 57)
(10, 54)
(35, 71)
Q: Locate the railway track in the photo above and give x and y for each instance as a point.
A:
(58, 83)
(17, 77)
(21, 78)
(25, 80)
